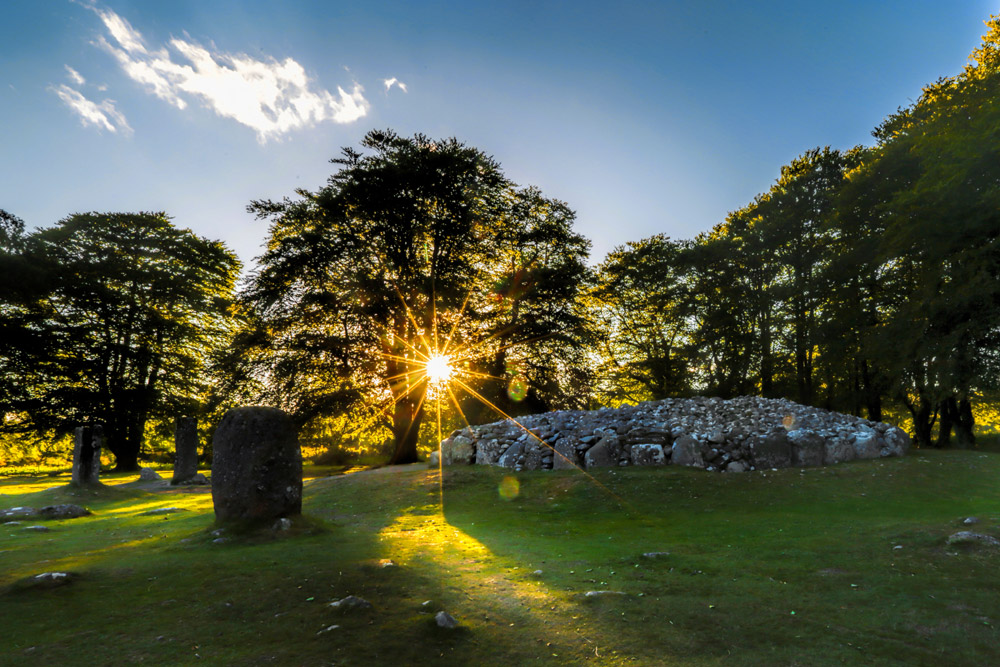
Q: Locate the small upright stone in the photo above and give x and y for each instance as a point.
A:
(185, 450)
(256, 467)
(87, 455)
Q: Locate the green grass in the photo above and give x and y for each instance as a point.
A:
(775, 568)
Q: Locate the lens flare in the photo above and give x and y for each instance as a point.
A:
(439, 369)
(509, 488)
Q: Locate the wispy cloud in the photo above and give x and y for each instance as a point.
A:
(268, 96)
(103, 116)
(389, 83)
(75, 76)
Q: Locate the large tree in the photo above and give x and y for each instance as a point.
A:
(118, 327)
(413, 249)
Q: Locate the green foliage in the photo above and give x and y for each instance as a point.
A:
(413, 248)
(117, 328)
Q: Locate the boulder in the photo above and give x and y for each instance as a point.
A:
(566, 457)
(808, 448)
(773, 451)
(509, 458)
(687, 451)
(897, 442)
(458, 450)
(735, 466)
(837, 450)
(866, 444)
(647, 454)
(599, 457)
(968, 537)
(256, 467)
(148, 475)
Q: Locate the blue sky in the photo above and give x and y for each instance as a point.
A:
(643, 117)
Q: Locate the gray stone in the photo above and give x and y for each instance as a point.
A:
(37, 529)
(534, 453)
(185, 450)
(148, 475)
(808, 448)
(257, 466)
(968, 537)
(736, 466)
(488, 451)
(566, 457)
(687, 451)
(866, 444)
(65, 511)
(434, 460)
(837, 450)
(509, 458)
(197, 480)
(599, 457)
(445, 620)
(773, 451)
(350, 603)
(971, 520)
(87, 443)
(162, 510)
(458, 450)
(17, 513)
(646, 454)
(897, 442)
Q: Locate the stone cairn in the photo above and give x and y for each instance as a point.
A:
(735, 435)
(256, 467)
(185, 450)
(87, 444)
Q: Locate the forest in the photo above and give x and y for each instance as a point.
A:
(420, 288)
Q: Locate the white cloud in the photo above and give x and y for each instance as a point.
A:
(104, 115)
(389, 83)
(74, 76)
(268, 96)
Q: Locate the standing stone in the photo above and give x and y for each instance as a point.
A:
(256, 467)
(808, 448)
(459, 449)
(598, 456)
(185, 450)
(566, 457)
(87, 455)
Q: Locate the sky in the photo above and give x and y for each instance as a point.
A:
(645, 117)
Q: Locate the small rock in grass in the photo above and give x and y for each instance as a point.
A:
(63, 512)
(329, 628)
(282, 524)
(387, 562)
(968, 537)
(445, 620)
(594, 595)
(220, 540)
(37, 529)
(162, 510)
(656, 554)
(14, 513)
(537, 573)
(350, 603)
(968, 521)
(45, 580)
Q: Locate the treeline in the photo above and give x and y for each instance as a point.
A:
(862, 280)
(860, 277)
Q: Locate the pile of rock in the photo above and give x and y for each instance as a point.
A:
(734, 435)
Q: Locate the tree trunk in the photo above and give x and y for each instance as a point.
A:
(923, 421)
(948, 410)
(964, 424)
(406, 421)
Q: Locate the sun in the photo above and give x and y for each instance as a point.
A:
(438, 369)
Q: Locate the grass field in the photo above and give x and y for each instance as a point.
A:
(840, 565)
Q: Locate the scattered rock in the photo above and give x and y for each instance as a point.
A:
(968, 537)
(656, 554)
(44, 581)
(329, 628)
(37, 529)
(445, 620)
(197, 479)
(162, 510)
(969, 521)
(65, 511)
(350, 603)
(596, 595)
(149, 475)
(17, 513)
